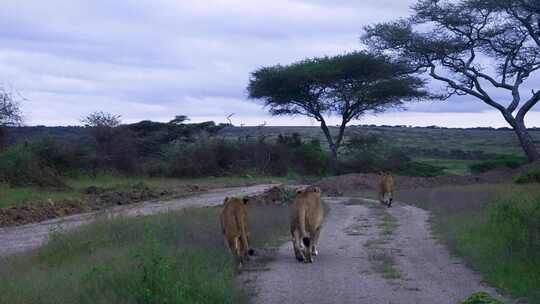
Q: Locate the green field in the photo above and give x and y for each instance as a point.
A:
(171, 258)
(486, 140)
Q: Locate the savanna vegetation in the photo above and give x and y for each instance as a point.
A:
(170, 258)
(180, 257)
(494, 228)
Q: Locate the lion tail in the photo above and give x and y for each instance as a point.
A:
(302, 223)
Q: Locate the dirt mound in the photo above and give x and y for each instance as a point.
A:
(39, 212)
(95, 198)
(338, 185)
(276, 195)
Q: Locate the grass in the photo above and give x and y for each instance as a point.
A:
(384, 263)
(489, 141)
(495, 229)
(170, 258)
(16, 196)
(380, 256)
(451, 166)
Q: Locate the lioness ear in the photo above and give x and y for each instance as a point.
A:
(316, 189)
(298, 191)
(246, 200)
(226, 199)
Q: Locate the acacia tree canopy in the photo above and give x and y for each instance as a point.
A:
(476, 48)
(347, 86)
(10, 112)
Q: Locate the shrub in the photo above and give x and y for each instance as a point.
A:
(215, 157)
(503, 161)
(481, 298)
(530, 174)
(528, 177)
(21, 166)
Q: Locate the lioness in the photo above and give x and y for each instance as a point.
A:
(234, 224)
(386, 188)
(306, 219)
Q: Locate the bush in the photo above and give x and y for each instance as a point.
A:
(215, 157)
(504, 161)
(22, 166)
(481, 298)
(369, 154)
(528, 177)
(530, 174)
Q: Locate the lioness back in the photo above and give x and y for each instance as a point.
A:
(235, 227)
(386, 189)
(306, 219)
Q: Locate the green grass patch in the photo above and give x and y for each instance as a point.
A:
(530, 175)
(170, 258)
(451, 166)
(481, 298)
(504, 161)
(384, 263)
(387, 224)
(15, 196)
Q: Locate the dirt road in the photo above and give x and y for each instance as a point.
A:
(368, 254)
(22, 238)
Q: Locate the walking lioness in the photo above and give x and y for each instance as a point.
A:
(306, 219)
(386, 189)
(234, 223)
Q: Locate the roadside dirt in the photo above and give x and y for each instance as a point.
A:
(368, 254)
(94, 199)
(26, 237)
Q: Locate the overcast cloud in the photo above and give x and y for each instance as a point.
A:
(155, 59)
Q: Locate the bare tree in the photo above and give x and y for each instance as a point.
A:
(477, 48)
(10, 113)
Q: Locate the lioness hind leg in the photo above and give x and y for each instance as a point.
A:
(296, 246)
(390, 199)
(238, 252)
(315, 242)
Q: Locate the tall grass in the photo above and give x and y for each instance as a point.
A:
(494, 228)
(171, 258)
(504, 244)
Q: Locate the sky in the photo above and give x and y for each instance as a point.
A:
(154, 59)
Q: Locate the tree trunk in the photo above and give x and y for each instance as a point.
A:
(526, 141)
(3, 137)
(332, 145)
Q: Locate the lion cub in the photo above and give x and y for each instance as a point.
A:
(306, 219)
(234, 224)
(386, 189)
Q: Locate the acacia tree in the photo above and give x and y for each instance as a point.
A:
(10, 114)
(348, 86)
(478, 48)
(102, 127)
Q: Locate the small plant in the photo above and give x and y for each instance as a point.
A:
(481, 298)
(528, 177)
(154, 284)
